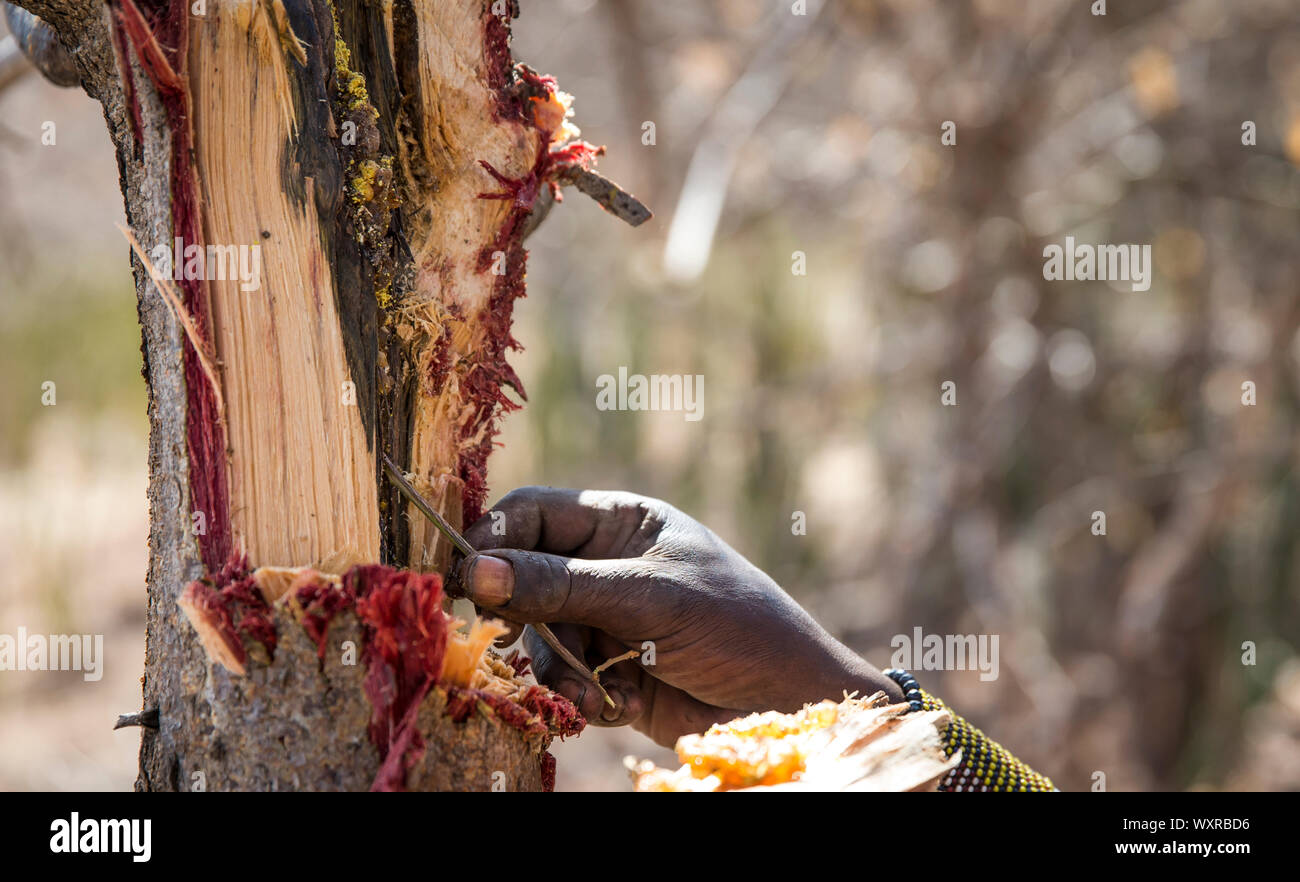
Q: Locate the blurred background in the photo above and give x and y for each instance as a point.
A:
(1120, 654)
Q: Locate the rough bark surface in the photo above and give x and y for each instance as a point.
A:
(379, 272)
(299, 723)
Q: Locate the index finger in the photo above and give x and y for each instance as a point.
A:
(590, 524)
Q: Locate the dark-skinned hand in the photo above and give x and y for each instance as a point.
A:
(610, 571)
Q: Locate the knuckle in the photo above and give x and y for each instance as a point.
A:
(518, 498)
(555, 585)
(641, 517)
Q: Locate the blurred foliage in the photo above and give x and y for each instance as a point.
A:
(1120, 653)
(77, 329)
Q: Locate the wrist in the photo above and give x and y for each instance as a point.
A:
(907, 684)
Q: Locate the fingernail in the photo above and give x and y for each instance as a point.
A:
(491, 581)
(610, 714)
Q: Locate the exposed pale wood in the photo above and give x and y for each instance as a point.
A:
(302, 485)
(453, 130)
(879, 749)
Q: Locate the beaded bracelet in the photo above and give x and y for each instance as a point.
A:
(985, 765)
(911, 689)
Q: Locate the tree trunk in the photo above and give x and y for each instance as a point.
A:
(377, 163)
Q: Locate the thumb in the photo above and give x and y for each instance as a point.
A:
(530, 586)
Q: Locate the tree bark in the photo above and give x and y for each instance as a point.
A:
(383, 159)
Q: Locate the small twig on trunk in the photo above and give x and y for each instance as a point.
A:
(609, 195)
(146, 718)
